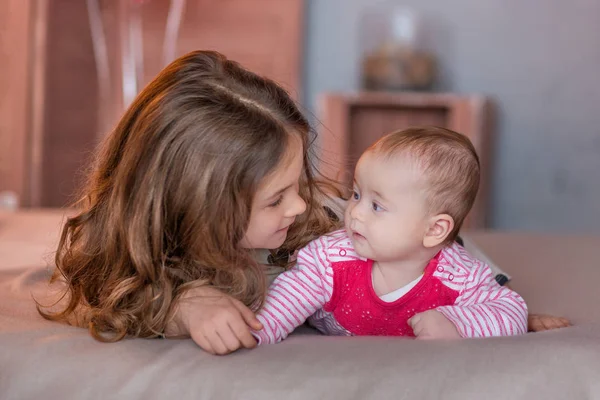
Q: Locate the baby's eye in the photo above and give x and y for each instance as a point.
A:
(355, 195)
(376, 207)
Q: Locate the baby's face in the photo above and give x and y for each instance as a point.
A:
(386, 217)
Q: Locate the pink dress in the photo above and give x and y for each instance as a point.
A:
(331, 286)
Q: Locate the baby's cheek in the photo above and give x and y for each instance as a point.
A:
(347, 218)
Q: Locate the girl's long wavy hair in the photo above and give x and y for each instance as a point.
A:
(168, 199)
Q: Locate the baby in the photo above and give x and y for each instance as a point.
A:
(396, 269)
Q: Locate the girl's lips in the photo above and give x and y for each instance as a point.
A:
(286, 228)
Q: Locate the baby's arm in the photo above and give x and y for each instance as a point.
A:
(296, 294)
(485, 308)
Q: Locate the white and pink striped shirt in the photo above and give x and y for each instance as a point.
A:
(331, 286)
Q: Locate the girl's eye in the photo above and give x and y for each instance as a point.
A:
(376, 207)
(276, 202)
(355, 195)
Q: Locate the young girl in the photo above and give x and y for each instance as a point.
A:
(208, 166)
(209, 163)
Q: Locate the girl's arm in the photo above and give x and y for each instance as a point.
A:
(218, 323)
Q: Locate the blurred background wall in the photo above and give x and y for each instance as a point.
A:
(537, 61)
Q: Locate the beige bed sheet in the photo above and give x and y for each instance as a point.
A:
(44, 360)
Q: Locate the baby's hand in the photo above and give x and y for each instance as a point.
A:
(218, 323)
(432, 324)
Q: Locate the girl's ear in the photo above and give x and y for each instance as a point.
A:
(438, 229)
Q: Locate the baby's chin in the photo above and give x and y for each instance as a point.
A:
(359, 248)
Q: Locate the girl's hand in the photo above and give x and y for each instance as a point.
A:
(218, 323)
(542, 322)
(432, 324)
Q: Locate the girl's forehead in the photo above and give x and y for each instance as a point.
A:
(295, 145)
(290, 166)
(293, 153)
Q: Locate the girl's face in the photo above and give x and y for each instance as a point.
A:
(276, 202)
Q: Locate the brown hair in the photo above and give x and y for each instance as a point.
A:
(450, 164)
(169, 198)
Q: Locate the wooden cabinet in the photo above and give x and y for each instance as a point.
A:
(50, 108)
(352, 122)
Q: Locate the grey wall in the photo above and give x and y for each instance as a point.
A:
(540, 62)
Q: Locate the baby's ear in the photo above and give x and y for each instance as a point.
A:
(438, 229)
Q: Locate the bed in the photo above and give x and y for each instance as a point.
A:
(41, 359)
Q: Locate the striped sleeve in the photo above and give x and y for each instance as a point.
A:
(296, 294)
(500, 276)
(484, 308)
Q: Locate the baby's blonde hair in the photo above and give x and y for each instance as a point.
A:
(450, 165)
